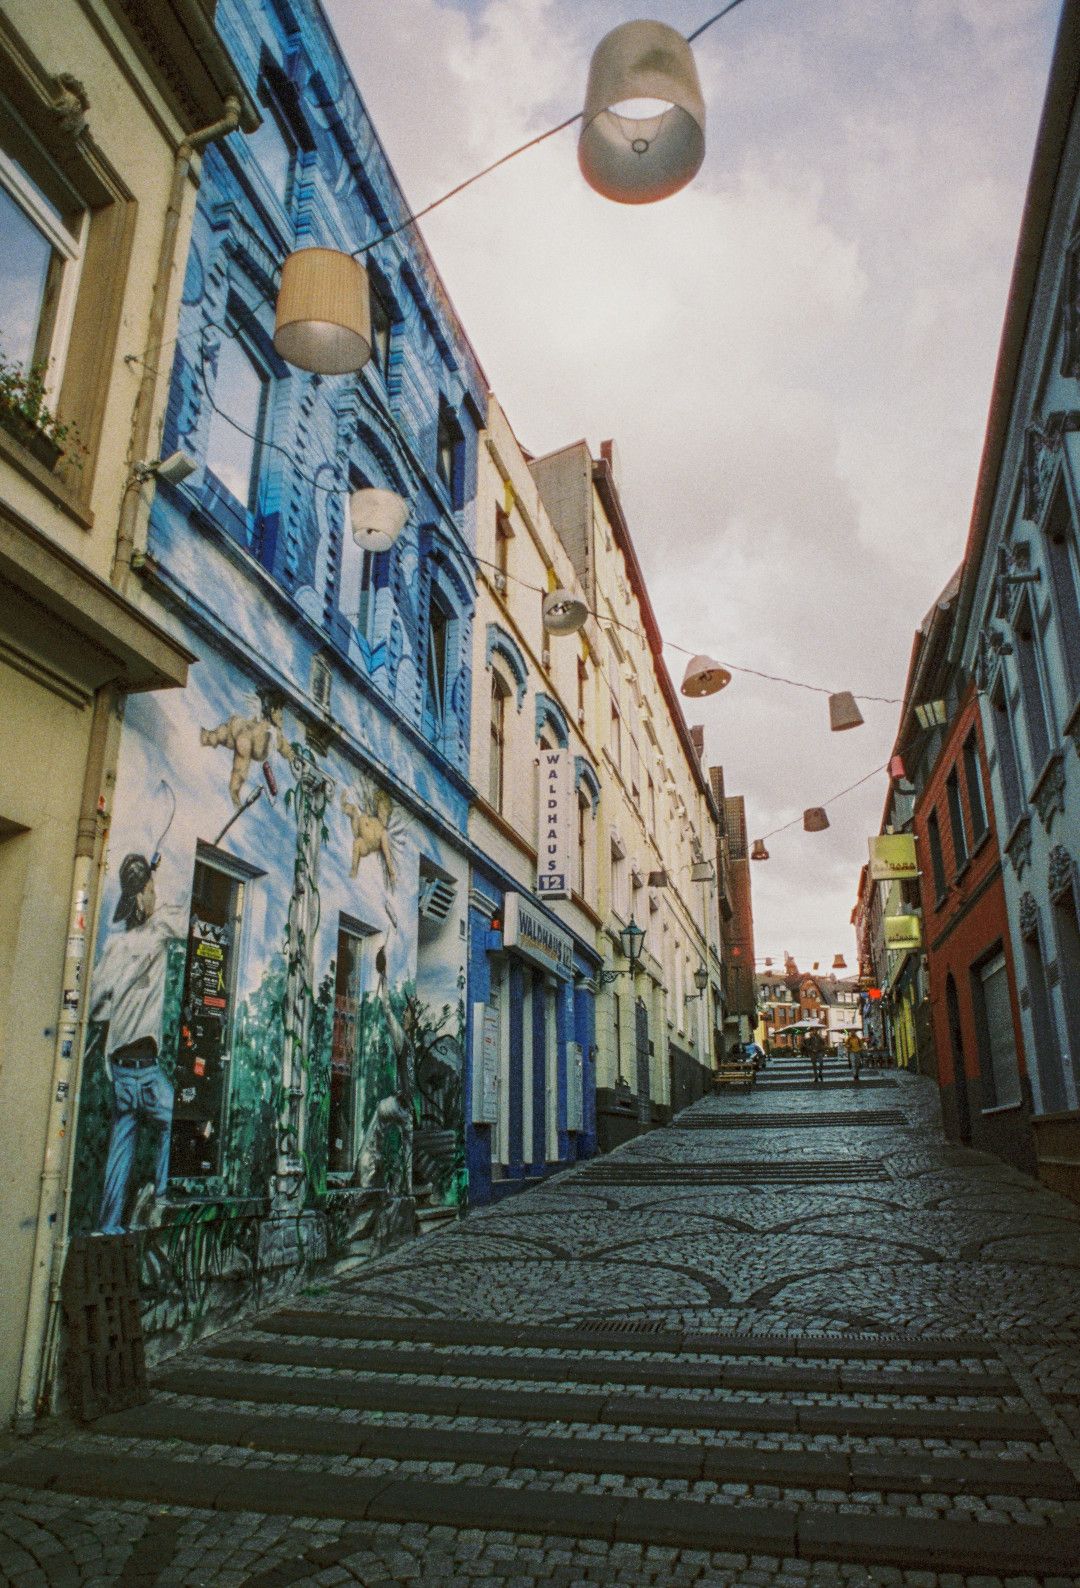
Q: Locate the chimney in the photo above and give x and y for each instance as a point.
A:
(697, 739)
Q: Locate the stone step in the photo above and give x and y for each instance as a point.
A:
(810, 1469)
(595, 1334)
(782, 1531)
(636, 1172)
(773, 1380)
(587, 1406)
(758, 1119)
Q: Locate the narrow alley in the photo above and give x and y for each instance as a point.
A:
(796, 1338)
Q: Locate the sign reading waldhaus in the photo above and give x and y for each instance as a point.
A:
(556, 825)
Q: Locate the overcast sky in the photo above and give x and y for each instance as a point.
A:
(794, 354)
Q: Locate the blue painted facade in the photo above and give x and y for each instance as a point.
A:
(302, 805)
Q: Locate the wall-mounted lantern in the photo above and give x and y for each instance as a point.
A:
(643, 126)
(377, 518)
(843, 712)
(323, 317)
(630, 940)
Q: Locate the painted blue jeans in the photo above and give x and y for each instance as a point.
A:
(137, 1095)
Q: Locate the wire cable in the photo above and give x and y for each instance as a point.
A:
(690, 37)
(830, 801)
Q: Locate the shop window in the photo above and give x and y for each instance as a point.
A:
(40, 255)
(346, 1050)
(956, 819)
(973, 779)
(1006, 749)
(994, 1028)
(238, 420)
(1032, 694)
(1061, 555)
(937, 862)
(206, 1011)
(500, 694)
(435, 671)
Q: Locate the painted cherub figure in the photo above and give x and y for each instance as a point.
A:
(370, 818)
(249, 739)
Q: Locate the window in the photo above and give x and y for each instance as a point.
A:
(1052, 1096)
(937, 862)
(956, 819)
(500, 694)
(273, 149)
(620, 890)
(1067, 934)
(366, 592)
(584, 808)
(237, 420)
(382, 328)
(973, 779)
(615, 741)
(345, 1050)
(503, 537)
(39, 257)
(1061, 557)
(1031, 691)
(652, 805)
(1006, 749)
(449, 455)
(616, 1008)
(435, 672)
(201, 1078)
(582, 678)
(994, 1026)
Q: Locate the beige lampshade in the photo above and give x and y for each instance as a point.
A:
(815, 819)
(323, 319)
(759, 852)
(701, 871)
(564, 612)
(843, 712)
(703, 676)
(630, 156)
(377, 518)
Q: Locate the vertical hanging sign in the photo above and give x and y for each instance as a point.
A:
(553, 875)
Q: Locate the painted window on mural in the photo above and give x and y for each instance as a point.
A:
(346, 1048)
(435, 671)
(202, 1061)
(366, 592)
(274, 151)
(449, 455)
(238, 420)
(500, 694)
(39, 259)
(382, 328)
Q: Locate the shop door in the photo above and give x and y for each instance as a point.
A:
(641, 1029)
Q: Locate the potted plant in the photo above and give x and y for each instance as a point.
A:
(26, 416)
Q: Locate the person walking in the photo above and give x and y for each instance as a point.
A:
(855, 1048)
(817, 1055)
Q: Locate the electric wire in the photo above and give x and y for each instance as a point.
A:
(824, 805)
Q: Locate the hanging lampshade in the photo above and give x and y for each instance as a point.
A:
(839, 963)
(843, 712)
(643, 126)
(564, 612)
(701, 871)
(896, 769)
(815, 819)
(758, 850)
(377, 518)
(768, 964)
(323, 317)
(703, 676)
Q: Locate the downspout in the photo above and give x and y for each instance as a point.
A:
(37, 1369)
(142, 417)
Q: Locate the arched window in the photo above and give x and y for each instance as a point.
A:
(500, 694)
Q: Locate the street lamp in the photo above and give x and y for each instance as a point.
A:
(630, 940)
(701, 981)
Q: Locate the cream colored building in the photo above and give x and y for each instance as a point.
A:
(655, 1033)
(103, 107)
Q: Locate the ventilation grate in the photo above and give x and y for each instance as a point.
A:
(105, 1365)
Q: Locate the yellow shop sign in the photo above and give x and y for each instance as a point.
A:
(892, 857)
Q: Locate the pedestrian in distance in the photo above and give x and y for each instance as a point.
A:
(855, 1049)
(817, 1055)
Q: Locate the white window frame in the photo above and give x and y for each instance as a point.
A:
(72, 248)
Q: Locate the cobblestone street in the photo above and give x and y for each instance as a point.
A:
(795, 1338)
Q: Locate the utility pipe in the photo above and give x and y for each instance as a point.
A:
(142, 417)
(54, 1192)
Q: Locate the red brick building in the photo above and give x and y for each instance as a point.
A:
(985, 1096)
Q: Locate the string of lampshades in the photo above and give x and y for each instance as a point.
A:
(642, 139)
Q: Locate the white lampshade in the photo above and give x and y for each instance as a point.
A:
(323, 317)
(703, 676)
(815, 820)
(634, 152)
(377, 518)
(843, 712)
(564, 612)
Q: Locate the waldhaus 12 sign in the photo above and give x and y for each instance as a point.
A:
(553, 877)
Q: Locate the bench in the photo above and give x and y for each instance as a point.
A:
(735, 1073)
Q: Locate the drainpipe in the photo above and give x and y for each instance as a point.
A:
(144, 402)
(41, 1336)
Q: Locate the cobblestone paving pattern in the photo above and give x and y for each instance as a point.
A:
(611, 1381)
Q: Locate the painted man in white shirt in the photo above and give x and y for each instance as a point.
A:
(129, 993)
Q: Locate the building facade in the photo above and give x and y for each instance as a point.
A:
(1018, 624)
(103, 110)
(275, 1069)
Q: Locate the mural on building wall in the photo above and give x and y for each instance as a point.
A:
(257, 1046)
